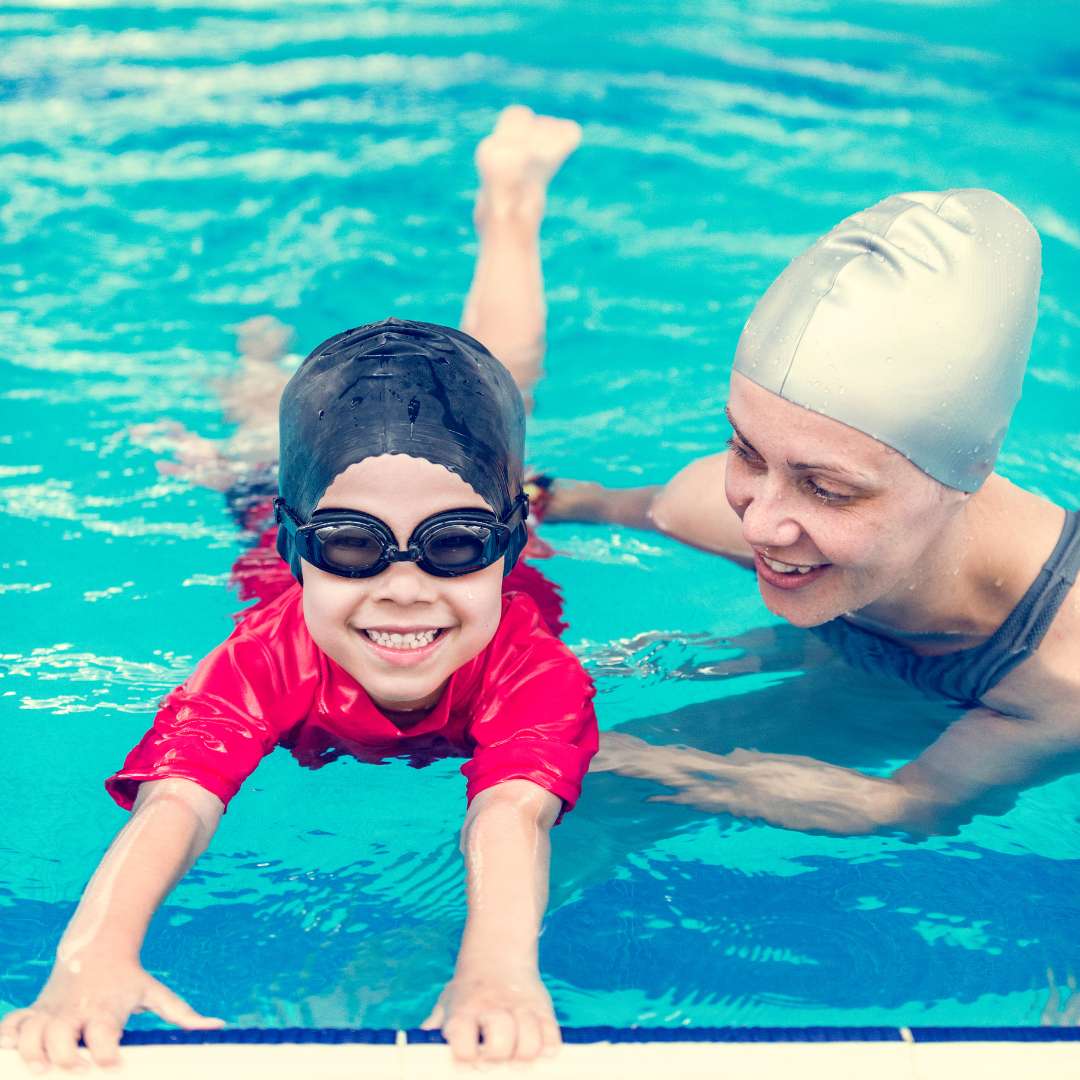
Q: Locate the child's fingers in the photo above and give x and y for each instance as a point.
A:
(9, 1027)
(61, 1039)
(550, 1034)
(498, 1029)
(1053, 1000)
(529, 1040)
(173, 1008)
(435, 1019)
(31, 1043)
(102, 1038)
(463, 1035)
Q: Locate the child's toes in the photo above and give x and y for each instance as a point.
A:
(514, 121)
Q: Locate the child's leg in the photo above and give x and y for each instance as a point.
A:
(250, 396)
(505, 307)
(252, 393)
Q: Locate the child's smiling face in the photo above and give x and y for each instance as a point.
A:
(350, 618)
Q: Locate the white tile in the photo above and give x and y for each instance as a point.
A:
(996, 1061)
(688, 1061)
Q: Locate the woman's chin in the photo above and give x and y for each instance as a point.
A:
(802, 611)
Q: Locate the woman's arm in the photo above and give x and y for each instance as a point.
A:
(97, 981)
(496, 992)
(978, 765)
(690, 507)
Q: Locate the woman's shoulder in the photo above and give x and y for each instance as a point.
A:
(1059, 651)
(1047, 684)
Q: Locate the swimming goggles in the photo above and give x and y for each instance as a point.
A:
(356, 545)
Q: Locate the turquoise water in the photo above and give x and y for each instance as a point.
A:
(171, 169)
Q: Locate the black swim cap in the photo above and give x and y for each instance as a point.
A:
(401, 387)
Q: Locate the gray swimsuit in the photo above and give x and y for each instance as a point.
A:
(969, 674)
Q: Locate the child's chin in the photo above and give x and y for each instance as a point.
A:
(403, 692)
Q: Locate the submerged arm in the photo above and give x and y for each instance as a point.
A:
(978, 765)
(97, 981)
(496, 990)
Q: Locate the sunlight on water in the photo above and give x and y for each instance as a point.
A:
(171, 170)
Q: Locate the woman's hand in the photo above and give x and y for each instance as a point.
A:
(513, 1016)
(91, 1000)
(789, 790)
(675, 766)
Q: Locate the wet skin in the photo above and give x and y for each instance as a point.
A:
(936, 569)
(349, 618)
(810, 491)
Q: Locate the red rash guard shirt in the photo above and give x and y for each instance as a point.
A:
(520, 709)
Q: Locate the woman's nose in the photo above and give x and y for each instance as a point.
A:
(766, 519)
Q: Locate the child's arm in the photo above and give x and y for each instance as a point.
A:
(496, 990)
(97, 981)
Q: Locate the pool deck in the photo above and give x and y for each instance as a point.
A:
(401, 1060)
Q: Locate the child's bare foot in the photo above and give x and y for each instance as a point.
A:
(263, 339)
(251, 394)
(517, 161)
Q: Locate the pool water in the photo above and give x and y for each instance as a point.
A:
(170, 169)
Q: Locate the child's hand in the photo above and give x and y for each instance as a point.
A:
(93, 1002)
(514, 1016)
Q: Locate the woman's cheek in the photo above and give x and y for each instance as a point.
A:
(844, 539)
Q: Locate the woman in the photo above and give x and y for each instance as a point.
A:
(872, 388)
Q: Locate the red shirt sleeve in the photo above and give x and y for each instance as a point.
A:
(218, 726)
(532, 715)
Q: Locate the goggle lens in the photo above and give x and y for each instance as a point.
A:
(351, 547)
(455, 547)
(446, 545)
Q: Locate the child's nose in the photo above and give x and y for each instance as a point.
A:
(404, 583)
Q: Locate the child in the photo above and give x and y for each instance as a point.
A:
(401, 510)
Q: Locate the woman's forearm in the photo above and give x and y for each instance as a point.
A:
(170, 827)
(570, 500)
(507, 849)
(788, 790)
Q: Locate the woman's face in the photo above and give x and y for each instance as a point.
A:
(402, 633)
(857, 519)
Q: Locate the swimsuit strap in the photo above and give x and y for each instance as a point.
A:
(1022, 632)
(969, 674)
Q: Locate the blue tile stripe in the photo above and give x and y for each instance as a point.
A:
(388, 1036)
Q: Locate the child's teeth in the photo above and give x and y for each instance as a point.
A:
(402, 641)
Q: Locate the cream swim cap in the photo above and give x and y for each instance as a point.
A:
(911, 322)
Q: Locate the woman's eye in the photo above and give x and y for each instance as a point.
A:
(741, 450)
(745, 453)
(824, 494)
